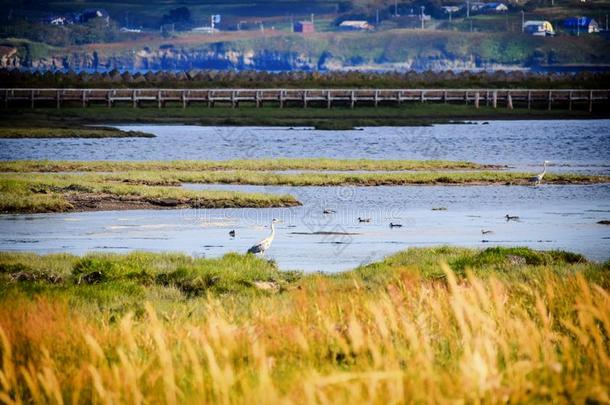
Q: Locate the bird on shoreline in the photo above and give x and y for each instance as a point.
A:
(486, 232)
(511, 218)
(329, 211)
(393, 225)
(264, 244)
(232, 233)
(364, 219)
(538, 178)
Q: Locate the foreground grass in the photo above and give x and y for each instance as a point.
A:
(59, 193)
(519, 326)
(256, 164)
(58, 132)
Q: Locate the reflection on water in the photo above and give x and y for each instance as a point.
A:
(574, 145)
(550, 217)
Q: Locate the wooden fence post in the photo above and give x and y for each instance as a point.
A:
(591, 101)
(32, 99)
(509, 101)
(352, 99)
(529, 100)
(376, 98)
(550, 100)
(476, 100)
(495, 99)
(328, 99)
(570, 101)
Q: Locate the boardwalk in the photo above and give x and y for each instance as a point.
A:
(497, 98)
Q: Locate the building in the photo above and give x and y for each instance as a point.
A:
(539, 28)
(451, 9)
(304, 27)
(581, 25)
(494, 8)
(89, 14)
(355, 25)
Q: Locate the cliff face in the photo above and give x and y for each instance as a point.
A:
(170, 58)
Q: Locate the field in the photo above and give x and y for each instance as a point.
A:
(337, 118)
(426, 325)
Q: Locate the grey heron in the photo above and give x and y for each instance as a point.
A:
(511, 218)
(538, 178)
(264, 244)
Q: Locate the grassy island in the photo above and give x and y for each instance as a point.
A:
(61, 186)
(77, 132)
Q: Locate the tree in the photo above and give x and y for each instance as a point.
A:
(180, 17)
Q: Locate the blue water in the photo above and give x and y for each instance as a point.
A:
(574, 145)
(550, 217)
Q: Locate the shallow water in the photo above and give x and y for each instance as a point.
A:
(574, 145)
(550, 217)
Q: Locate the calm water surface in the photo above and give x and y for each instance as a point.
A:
(575, 145)
(551, 217)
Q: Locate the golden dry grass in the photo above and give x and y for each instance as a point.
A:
(331, 340)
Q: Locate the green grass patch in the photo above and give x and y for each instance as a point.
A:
(253, 165)
(54, 132)
(59, 193)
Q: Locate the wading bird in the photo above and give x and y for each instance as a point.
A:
(264, 244)
(329, 211)
(511, 218)
(538, 178)
(393, 225)
(232, 233)
(364, 219)
(485, 232)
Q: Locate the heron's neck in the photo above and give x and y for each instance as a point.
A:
(272, 228)
(544, 171)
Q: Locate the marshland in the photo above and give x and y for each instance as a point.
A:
(124, 278)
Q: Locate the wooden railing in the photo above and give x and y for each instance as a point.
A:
(307, 97)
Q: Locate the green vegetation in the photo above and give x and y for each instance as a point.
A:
(59, 193)
(518, 326)
(411, 114)
(195, 78)
(168, 178)
(55, 132)
(255, 165)
(44, 186)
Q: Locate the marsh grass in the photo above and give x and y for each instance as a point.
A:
(255, 165)
(64, 192)
(339, 179)
(59, 132)
(412, 330)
